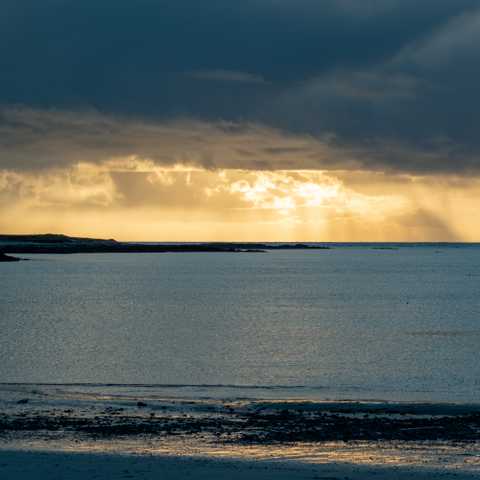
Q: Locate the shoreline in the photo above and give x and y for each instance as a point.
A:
(248, 423)
(53, 243)
(320, 439)
(113, 410)
(63, 244)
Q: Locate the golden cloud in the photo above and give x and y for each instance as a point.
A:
(130, 198)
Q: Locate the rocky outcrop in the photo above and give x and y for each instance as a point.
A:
(8, 258)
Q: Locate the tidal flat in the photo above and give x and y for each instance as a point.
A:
(272, 438)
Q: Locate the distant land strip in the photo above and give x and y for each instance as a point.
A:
(55, 243)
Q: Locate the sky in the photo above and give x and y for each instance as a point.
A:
(274, 120)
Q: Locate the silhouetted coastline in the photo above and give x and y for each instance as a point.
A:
(54, 243)
(8, 258)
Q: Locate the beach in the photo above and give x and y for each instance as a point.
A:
(50, 431)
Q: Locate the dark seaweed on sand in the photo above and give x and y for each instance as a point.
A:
(259, 427)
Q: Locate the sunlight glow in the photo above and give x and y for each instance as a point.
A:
(134, 198)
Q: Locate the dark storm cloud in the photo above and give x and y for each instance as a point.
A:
(394, 83)
(32, 139)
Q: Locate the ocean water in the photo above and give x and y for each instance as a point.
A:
(346, 323)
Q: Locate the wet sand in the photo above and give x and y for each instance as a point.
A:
(49, 432)
(81, 466)
(250, 422)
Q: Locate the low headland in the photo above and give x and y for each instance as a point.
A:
(8, 258)
(56, 243)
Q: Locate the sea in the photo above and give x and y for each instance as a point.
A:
(366, 322)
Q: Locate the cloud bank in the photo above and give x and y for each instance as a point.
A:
(393, 84)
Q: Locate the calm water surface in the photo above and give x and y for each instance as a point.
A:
(343, 323)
